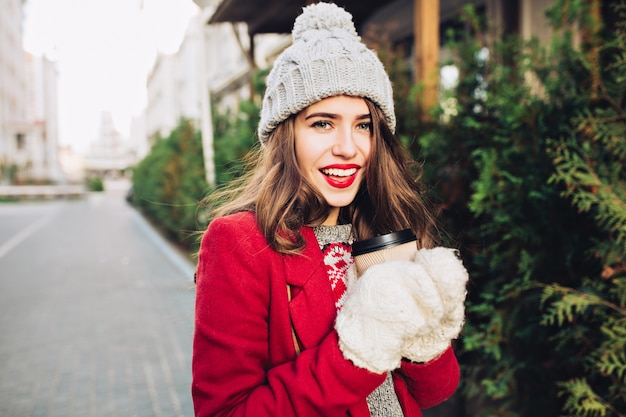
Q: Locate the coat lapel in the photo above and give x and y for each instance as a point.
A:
(312, 308)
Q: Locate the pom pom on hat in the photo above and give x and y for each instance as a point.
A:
(326, 58)
(322, 16)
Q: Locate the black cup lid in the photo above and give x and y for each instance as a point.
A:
(382, 242)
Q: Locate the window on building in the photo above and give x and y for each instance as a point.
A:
(20, 141)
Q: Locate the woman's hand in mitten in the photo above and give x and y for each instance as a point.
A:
(389, 304)
(450, 277)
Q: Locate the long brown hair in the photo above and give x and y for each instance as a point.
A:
(275, 189)
(391, 197)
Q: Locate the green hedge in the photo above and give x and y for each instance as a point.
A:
(170, 181)
(95, 184)
(529, 180)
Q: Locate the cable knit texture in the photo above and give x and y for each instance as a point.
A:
(326, 58)
(410, 309)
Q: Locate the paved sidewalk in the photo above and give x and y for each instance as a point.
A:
(96, 313)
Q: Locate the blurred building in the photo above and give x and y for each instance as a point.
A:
(73, 164)
(209, 67)
(28, 107)
(173, 87)
(138, 137)
(109, 155)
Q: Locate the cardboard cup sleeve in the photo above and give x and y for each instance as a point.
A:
(393, 246)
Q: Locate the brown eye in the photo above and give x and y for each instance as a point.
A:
(365, 126)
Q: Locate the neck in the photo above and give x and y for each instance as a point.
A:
(333, 217)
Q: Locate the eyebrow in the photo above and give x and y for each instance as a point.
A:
(335, 116)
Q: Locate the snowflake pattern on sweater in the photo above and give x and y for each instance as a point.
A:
(338, 259)
(336, 245)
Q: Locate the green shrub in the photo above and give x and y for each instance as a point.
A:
(529, 180)
(170, 181)
(95, 184)
(235, 135)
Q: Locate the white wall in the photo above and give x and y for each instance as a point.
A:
(174, 87)
(28, 104)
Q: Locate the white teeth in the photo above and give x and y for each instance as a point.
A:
(336, 172)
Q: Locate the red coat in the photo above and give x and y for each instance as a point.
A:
(244, 361)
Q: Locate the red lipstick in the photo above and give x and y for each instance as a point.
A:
(340, 175)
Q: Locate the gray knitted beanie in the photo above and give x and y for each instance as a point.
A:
(326, 58)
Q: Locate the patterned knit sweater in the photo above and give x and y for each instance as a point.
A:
(336, 245)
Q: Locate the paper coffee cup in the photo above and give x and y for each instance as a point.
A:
(394, 246)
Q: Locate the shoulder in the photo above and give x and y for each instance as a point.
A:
(243, 226)
(244, 220)
(238, 225)
(235, 229)
(241, 230)
(234, 244)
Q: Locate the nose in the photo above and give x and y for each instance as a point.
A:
(345, 145)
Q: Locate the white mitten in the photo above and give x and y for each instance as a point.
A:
(450, 277)
(390, 303)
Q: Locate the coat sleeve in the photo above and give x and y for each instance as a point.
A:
(231, 370)
(428, 384)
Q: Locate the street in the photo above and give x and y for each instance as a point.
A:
(96, 312)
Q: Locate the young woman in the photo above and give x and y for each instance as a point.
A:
(283, 326)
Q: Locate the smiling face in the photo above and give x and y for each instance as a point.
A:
(333, 140)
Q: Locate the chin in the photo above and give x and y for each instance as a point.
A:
(339, 198)
(339, 203)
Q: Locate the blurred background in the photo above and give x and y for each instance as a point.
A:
(515, 110)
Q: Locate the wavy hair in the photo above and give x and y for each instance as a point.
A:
(275, 188)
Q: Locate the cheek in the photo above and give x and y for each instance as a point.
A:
(305, 157)
(366, 148)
